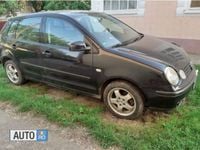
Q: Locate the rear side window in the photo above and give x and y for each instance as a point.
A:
(60, 32)
(12, 30)
(29, 29)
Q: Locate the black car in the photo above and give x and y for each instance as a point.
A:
(96, 54)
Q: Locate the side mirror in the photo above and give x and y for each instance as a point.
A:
(79, 46)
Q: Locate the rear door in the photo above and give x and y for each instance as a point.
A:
(27, 46)
(8, 36)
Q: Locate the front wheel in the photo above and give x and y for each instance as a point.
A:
(13, 73)
(123, 100)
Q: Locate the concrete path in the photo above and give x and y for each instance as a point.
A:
(59, 138)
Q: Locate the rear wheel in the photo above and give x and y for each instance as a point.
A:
(123, 100)
(13, 73)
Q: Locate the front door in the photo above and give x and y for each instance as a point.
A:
(72, 69)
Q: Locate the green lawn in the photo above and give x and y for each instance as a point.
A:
(179, 130)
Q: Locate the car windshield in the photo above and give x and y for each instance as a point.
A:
(107, 30)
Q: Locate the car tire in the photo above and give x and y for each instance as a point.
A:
(13, 72)
(123, 100)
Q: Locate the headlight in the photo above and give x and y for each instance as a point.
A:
(171, 76)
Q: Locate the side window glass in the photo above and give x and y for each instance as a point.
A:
(12, 30)
(60, 32)
(29, 29)
(4, 30)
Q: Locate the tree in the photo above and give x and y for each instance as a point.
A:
(9, 8)
(67, 5)
(81, 5)
(37, 5)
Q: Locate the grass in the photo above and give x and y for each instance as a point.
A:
(181, 130)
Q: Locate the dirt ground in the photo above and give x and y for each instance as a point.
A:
(59, 137)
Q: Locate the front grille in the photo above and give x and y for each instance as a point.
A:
(187, 69)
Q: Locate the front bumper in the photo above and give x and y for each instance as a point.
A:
(167, 100)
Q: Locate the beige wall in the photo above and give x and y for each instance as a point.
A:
(160, 20)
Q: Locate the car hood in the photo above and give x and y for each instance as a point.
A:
(157, 50)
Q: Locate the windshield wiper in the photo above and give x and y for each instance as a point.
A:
(129, 41)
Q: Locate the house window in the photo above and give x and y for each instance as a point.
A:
(194, 4)
(120, 4)
(119, 7)
(188, 7)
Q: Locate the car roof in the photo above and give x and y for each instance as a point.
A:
(61, 12)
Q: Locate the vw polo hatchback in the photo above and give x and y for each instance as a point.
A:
(96, 54)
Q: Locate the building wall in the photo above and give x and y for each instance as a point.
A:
(160, 20)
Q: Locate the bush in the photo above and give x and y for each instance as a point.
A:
(67, 5)
(9, 8)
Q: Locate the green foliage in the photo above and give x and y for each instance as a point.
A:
(67, 5)
(60, 5)
(181, 130)
(9, 8)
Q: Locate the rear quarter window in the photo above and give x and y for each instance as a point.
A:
(4, 30)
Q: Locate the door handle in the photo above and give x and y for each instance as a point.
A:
(46, 53)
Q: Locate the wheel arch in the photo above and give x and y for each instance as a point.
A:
(6, 55)
(103, 86)
(6, 58)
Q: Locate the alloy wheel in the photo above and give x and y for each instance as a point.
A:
(12, 73)
(121, 101)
